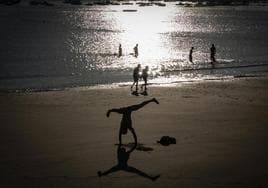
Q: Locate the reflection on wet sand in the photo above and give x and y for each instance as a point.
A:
(122, 164)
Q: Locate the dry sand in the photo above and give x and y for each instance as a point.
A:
(62, 138)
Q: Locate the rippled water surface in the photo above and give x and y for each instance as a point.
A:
(65, 46)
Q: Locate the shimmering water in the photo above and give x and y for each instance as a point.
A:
(69, 46)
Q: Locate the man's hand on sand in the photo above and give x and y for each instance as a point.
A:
(108, 113)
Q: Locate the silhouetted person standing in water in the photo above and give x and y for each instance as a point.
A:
(144, 76)
(136, 77)
(120, 51)
(136, 51)
(126, 122)
(191, 55)
(122, 159)
(212, 54)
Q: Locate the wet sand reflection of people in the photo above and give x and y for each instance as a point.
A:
(126, 121)
(122, 159)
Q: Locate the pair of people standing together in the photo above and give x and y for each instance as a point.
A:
(137, 76)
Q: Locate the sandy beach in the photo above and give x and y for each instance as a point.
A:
(63, 138)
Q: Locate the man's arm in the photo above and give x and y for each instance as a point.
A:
(117, 110)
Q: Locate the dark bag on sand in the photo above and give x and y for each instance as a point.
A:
(167, 140)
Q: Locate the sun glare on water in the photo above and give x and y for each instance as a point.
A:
(150, 27)
(144, 28)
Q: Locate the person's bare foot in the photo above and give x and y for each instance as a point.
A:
(156, 101)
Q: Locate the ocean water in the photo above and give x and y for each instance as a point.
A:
(71, 46)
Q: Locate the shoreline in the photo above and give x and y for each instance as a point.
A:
(128, 84)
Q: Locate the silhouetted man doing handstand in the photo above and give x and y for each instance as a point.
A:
(126, 122)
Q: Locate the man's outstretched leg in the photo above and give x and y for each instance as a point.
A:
(111, 170)
(138, 106)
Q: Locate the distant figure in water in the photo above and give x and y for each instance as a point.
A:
(122, 159)
(120, 51)
(144, 76)
(191, 55)
(126, 122)
(136, 51)
(212, 54)
(136, 77)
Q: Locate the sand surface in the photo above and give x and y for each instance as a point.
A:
(62, 138)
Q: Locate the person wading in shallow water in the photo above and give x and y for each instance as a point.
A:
(126, 121)
(191, 55)
(120, 50)
(136, 51)
(212, 54)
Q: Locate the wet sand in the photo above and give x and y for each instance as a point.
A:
(62, 138)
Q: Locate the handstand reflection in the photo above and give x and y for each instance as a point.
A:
(122, 159)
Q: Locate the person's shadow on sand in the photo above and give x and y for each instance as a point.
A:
(122, 159)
